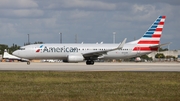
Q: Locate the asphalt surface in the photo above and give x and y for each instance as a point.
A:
(22, 66)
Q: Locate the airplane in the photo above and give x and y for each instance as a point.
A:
(9, 56)
(148, 43)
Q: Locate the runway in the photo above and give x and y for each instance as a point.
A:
(22, 66)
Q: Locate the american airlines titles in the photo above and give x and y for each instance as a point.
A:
(59, 49)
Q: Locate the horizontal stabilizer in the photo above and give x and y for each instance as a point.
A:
(161, 45)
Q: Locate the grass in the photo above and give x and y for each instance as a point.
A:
(89, 86)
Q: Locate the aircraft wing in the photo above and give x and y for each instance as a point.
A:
(99, 53)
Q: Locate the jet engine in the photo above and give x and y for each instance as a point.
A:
(75, 58)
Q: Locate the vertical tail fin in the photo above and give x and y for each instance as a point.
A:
(152, 36)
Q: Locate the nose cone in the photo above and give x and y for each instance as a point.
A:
(16, 53)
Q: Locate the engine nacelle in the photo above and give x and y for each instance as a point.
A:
(75, 58)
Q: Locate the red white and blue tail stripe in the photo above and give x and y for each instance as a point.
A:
(151, 37)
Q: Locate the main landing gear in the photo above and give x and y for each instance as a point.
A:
(28, 62)
(90, 62)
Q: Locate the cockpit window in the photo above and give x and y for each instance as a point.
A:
(22, 48)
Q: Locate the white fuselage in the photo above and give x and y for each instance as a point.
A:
(61, 51)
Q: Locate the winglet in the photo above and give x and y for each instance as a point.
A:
(100, 53)
(122, 44)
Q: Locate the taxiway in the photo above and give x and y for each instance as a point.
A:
(22, 66)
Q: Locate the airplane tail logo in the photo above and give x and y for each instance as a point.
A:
(152, 36)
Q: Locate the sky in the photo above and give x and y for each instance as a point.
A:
(90, 20)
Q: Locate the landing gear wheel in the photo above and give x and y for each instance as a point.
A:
(28, 63)
(89, 62)
(92, 62)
